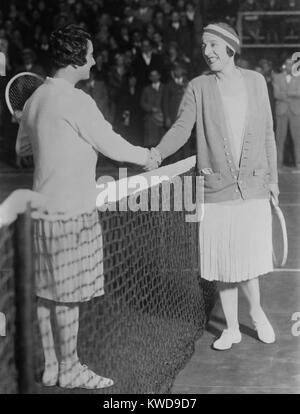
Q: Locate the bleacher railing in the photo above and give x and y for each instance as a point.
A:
(288, 42)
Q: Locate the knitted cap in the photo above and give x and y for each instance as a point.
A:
(226, 33)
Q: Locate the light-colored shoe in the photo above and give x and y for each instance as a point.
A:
(80, 376)
(227, 339)
(264, 329)
(50, 375)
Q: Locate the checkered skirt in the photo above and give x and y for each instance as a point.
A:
(69, 258)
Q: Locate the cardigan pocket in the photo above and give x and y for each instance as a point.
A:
(261, 177)
(259, 172)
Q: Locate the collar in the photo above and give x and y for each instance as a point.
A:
(178, 81)
(176, 25)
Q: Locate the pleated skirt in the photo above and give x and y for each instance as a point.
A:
(69, 258)
(236, 240)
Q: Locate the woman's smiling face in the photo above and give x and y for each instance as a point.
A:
(214, 51)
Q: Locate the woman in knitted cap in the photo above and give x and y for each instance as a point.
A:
(236, 155)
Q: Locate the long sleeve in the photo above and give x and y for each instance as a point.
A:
(180, 132)
(271, 149)
(93, 128)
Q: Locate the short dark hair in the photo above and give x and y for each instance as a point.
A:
(69, 46)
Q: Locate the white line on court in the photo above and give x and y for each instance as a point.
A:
(286, 270)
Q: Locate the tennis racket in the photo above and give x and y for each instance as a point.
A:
(280, 239)
(19, 89)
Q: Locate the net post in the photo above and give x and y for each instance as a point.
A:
(24, 303)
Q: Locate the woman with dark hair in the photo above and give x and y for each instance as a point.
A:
(236, 156)
(65, 129)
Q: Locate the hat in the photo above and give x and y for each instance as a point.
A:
(226, 33)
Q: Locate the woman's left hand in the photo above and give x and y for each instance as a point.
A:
(274, 191)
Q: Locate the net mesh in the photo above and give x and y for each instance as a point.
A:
(8, 377)
(143, 303)
(21, 89)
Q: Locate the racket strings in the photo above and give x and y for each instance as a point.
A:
(21, 90)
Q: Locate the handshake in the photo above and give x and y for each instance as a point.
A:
(154, 160)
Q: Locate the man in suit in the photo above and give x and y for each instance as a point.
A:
(145, 62)
(173, 94)
(287, 109)
(151, 103)
(144, 12)
(178, 33)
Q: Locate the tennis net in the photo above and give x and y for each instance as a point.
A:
(142, 330)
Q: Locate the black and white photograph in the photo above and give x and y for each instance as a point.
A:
(149, 199)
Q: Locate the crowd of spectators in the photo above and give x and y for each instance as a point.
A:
(145, 50)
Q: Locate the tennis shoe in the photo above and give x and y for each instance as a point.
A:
(80, 376)
(264, 329)
(227, 339)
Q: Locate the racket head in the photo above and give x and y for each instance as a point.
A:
(279, 236)
(19, 89)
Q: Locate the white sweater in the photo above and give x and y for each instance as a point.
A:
(65, 129)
